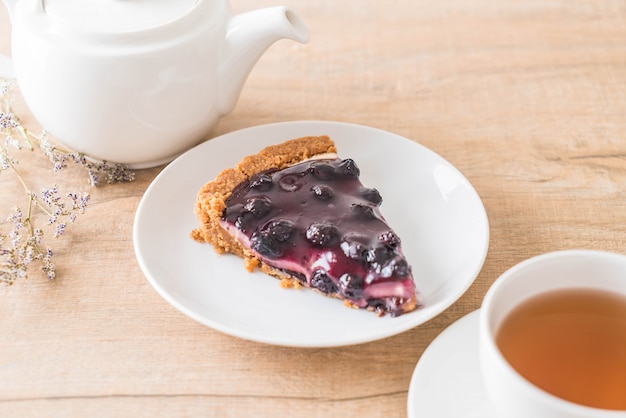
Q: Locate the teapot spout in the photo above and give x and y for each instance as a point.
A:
(248, 36)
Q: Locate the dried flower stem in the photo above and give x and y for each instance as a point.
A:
(22, 246)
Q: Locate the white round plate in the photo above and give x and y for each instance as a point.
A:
(429, 203)
(447, 380)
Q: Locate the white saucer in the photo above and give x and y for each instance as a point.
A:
(432, 206)
(447, 382)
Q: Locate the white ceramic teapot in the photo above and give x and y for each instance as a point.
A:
(137, 81)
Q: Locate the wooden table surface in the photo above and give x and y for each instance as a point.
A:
(526, 98)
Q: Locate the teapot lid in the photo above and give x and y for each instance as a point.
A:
(117, 16)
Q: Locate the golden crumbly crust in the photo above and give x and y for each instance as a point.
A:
(210, 201)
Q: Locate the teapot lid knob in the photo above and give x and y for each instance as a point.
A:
(117, 16)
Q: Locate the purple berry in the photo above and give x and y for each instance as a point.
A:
(321, 234)
(351, 286)
(323, 283)
(373, 196)
(264, 244)
(380, 255)
(243, 221)
(401, 267)
(280, 230)
(354, 249)
(348, 168)
(258, 206)
(322, 191)
(261, 182)
(269, 240)
(390, 238)
(323, 171)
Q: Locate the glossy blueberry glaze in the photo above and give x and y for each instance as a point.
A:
(316, 221)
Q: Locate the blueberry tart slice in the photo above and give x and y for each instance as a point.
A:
(299, 213)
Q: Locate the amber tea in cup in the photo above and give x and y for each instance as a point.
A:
(552, 338)
(572, 344)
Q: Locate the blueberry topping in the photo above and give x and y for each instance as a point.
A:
(243, 221)
(351, 286)
(319, 216)
(268, 241)
(402, 268)
(348, 168)
(387, 269)
(322, 191)
(258, 206)
(322, 234)
(363, 211)
(280, 230)
(373, 196)
(323, 283)
(389, 238)
(380, 255)
(354, 249)
(290, 182)
(323, 171)
(264, 244)
(262, 182)
(387, 262)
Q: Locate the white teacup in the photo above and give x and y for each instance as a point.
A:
(512, 395)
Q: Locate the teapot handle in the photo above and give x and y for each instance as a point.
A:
(6, 67)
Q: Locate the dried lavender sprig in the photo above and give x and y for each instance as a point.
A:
(24, 249)
(22, 246)
(96, 170)
(25, 239)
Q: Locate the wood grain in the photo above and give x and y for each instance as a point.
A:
(526, 98)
